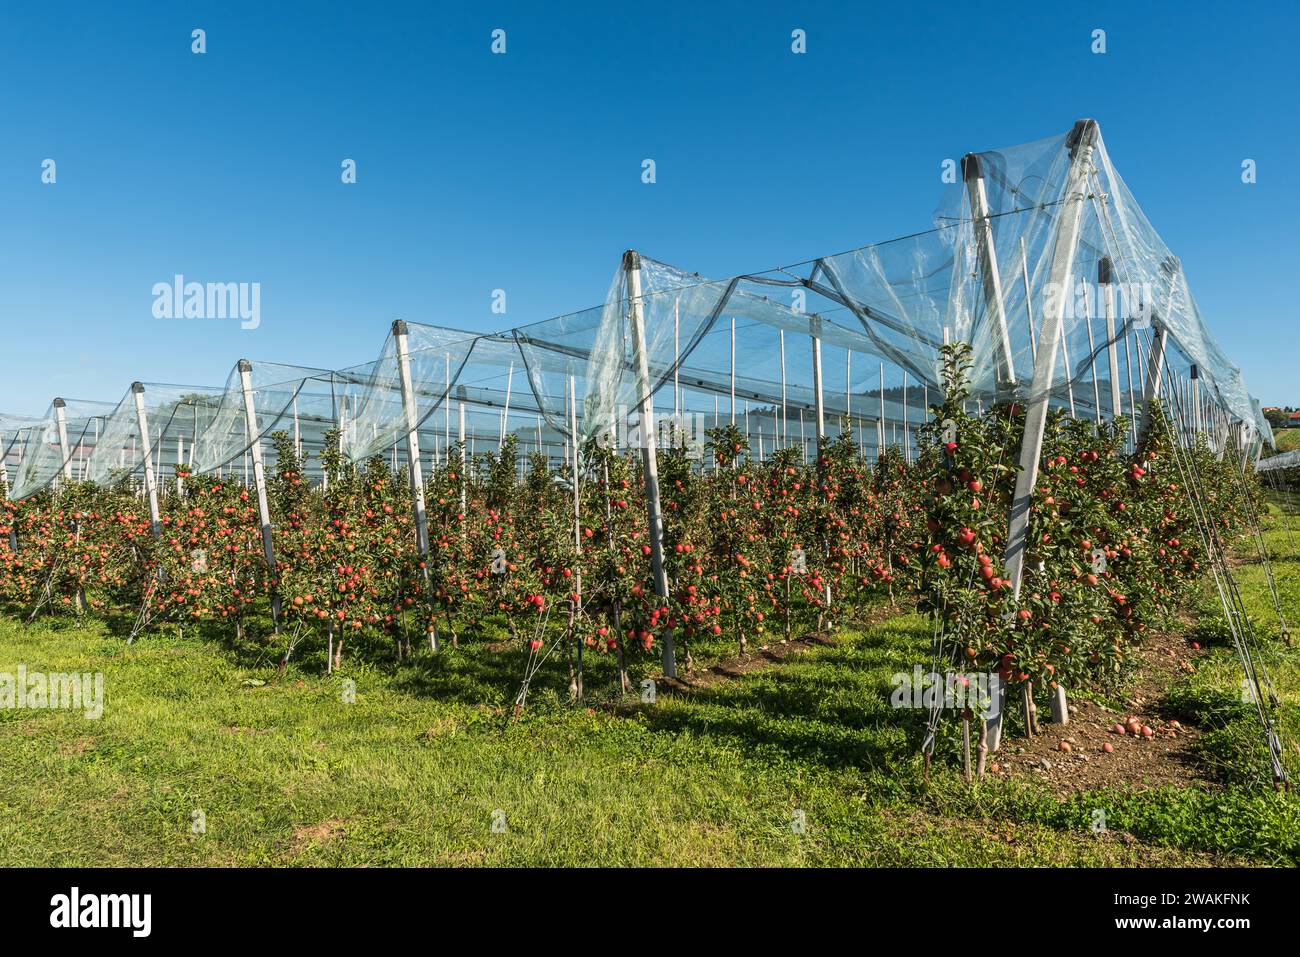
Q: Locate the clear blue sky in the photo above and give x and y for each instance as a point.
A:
(523, 171)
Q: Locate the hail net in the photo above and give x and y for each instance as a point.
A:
(1018, 233)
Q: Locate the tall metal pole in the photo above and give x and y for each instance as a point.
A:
(1092, 364)
(1065, 245)
(880, 442)
(907, 445)
(1155, 366)
(577, 525)
(1132, 400)
(677, 358)
(61, 418)
(848, 386)
(817, 383)
(1029, 303)
(505, 413)
(151, 489)
(464, 463)
(4, 494)
(259, 483)
(415, 469)
(180, 464)
(650, 462)
(1069, 371)
(988, 261)
(733, 370)
(1197, 418)
(785, 423)
(1112, 347)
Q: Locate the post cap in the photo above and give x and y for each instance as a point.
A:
(137, 387)
(970, 167)
(245, 366)
(58, 403)
(399, 327)
(1084, 134)
(631, 259)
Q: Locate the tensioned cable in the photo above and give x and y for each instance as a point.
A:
(1239, 621)
(1262, 550)
(1234, 610)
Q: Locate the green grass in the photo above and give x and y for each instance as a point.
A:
(1287, 439)
(412, 770)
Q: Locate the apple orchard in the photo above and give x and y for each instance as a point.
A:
(754, 551)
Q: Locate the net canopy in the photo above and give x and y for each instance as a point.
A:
(1287, 460)
(303, 402)
(172, 414)
(514, 381)
(1047, 227)
(1037, 256)
(58, 445)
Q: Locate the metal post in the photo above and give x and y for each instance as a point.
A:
(1029, 305)
(414, 466)
(848, 387)
(577, 526)
(677, 358)
(907, 445)
(60, 416)
(4, 494)
(1092, 364)
(650, 462)
(505, 412)
(880, 442)
(1196, 401)
(817, 383)
(785, 423)
(142, 422)
(988, 261)
(1069, 370)
(1155, 366)
(1065, 245)
(1132, 401)
(460, 438)
(733, 370)
(1112, 349)
(259, 483)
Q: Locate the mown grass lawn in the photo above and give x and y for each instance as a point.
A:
(418, 767)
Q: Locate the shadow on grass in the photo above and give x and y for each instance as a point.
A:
(832, 708)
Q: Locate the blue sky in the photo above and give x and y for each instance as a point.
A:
(522, 171)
